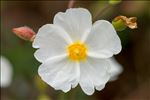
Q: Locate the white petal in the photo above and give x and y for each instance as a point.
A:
(115, 69)
(103, 40)
(75, 21)
(51, 41)
(6, 72)
(94, 73)
(75, 83)
(100, 87)
(60, 73)
(87, 85)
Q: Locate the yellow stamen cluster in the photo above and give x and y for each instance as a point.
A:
(77, 51)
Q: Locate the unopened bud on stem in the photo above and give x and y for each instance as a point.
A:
(121, 22)
(25, 33)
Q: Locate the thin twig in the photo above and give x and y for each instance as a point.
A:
(102, 11)
(71, 3)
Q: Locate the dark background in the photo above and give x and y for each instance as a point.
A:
(132, 84)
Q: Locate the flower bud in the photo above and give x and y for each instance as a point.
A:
(114, 2)
(119, 25)
(25, 33)
(121, 22)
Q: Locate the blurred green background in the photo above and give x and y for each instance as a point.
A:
(132, 84)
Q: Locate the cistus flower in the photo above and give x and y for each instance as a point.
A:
(73, 51)
(6, 72)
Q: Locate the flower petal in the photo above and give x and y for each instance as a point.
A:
(6, 72)
(103, 40)
(115, 69)
(87, 85)
(94, 73)
(75, 21)
(51, 41)
(60, 73)
(100, 87)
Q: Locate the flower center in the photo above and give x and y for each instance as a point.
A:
(77, 51)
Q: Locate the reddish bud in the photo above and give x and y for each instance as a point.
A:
(25, 33)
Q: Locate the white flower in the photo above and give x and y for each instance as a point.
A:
(115, 69)
(73, 51)
(6, 72)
